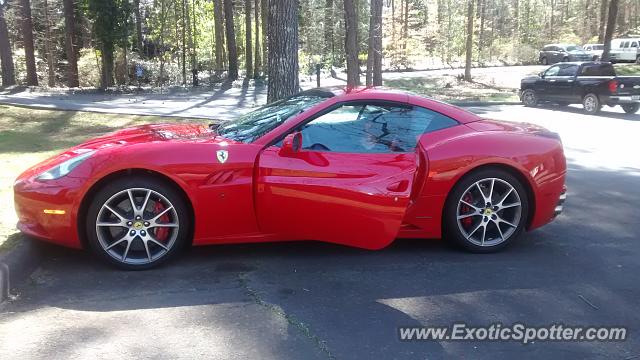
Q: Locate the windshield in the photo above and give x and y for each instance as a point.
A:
(574, 48)
(253, 125)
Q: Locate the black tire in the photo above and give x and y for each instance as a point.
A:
(591, 104)
(180, 240)
(453, 230)
(638, 60)
(631, 108)
(530, 98)
(544, 61)
(565, 59)
(595, 58)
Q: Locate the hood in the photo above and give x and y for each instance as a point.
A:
(152, 133)
(530, 78)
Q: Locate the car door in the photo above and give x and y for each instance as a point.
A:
(630, 55)
(350, 182)
(562, 88)
(546, 88)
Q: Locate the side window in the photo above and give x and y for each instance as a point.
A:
(634, 44)
(552, 71)
(625, 44)
(598, 70)
(570, 70)
(371, 128)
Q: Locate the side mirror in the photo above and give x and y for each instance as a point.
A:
(291, 144)
(541, 74)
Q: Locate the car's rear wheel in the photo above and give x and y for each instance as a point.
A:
(595, 58)
(638, 60)
(631, 108)
(137, 223)
(486, 211)
(591, 103)
(529, 98)
(545, 61)
(565, 59)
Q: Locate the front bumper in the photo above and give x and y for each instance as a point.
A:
(48, 210)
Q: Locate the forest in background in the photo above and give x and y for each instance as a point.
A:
(102, 43)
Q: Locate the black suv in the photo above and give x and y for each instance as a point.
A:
(554, 53)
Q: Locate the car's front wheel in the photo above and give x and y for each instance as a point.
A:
(631, 108)
(486, 211)
(137, 223)
(529, 98)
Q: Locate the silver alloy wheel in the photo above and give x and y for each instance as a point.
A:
(529, 98)
(489, 212)
(590, 103)
(137, 226)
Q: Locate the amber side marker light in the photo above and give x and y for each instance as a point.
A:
(54, 212)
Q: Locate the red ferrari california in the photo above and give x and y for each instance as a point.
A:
(358, 168)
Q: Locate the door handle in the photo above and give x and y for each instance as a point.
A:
(552, 80)
(399, 186)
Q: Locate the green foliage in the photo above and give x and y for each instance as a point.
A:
(111, 24)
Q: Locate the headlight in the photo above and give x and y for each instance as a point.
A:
(64, 168)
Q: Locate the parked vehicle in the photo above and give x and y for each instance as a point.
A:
(625, 50)
(554, 53)
(592, 84)
(595, 50)
(357, 168)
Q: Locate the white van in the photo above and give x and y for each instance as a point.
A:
(626, 49)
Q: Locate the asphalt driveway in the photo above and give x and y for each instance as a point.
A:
(312, 300)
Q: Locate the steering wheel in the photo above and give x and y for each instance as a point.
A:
(318, 147)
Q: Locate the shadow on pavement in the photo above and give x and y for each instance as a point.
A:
(574, 271)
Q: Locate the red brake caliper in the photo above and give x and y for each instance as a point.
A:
(466, 222)
(161, 233)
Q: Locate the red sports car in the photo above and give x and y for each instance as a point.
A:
(357, 168)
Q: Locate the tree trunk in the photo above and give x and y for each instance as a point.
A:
(184, 42)
(51, 71)
(232, 50)
(611, 26)
(27, 39)
(248, 49)
(6, 56)
(194, 45)
(70, 45)
(603, 20)
(328, 31)
(258, 62)
(107, 65)
(351, 43)
(283, 49)
(483, 13)
(264, 12)
(136, 11)
(374, 55)
(219, 25)
(469, 42)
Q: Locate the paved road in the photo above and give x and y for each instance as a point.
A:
(311, 300)
(224, 102)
